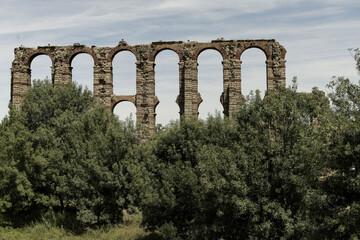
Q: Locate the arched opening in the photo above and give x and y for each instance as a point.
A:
(167, 86)
(253, 71)
(124, 73)
(125, 111)
(83, 71)
(41, 68)
(210, 82)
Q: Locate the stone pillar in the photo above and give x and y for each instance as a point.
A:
(61, 73)
(145, 96)
(275, 73)
(180, 100)
(275, 66)
(231, 97)
(189, 95)
(103, 82)
(235, 94)
(20, 82)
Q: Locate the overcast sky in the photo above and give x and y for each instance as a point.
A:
(315, 33)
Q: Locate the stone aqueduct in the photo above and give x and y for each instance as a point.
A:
(145, 99)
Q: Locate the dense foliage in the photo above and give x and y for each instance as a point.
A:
(61, 155)
(284, 167)
(255, 177)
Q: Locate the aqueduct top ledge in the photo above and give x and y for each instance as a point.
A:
(185, 50)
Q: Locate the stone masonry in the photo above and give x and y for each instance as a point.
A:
(145, 99)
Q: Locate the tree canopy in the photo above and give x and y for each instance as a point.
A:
(283, 167)
(61, 154)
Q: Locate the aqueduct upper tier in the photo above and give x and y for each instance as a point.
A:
(145, 99)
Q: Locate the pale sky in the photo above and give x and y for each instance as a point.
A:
(315, 33)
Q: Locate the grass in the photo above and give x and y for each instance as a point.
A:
(131, 230)
(41, 231)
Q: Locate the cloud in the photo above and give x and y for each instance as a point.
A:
(316, 33)
(246, 6)
(39, 15)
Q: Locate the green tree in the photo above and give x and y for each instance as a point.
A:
(70, 159)
(355, 53)
(342, 182)
(16, 192)
(254, 177)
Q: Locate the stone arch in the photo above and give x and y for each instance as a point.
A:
(167, 92)
(76, 52)
(118, 99)
(89, 69)
(250, 71)
(36, 53)
(32, 56)
(209, 98)
(252, 45)
(157, 50)
(118, 49)
(203, 47)
(124, 107)
(119, 70)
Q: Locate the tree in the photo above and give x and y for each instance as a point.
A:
(342, 182)
(70, 159)
(255, 177)
(355, 53)
(16, 192)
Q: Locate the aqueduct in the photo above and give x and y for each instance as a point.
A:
(145, 99)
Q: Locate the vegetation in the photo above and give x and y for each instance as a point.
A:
(47, 230)
(63, 156)
(286, 167)
(255, 177)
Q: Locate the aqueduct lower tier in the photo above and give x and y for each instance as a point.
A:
(145, 99)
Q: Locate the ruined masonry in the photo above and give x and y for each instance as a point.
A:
(145, 99)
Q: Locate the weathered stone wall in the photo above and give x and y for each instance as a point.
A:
(145, 99)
